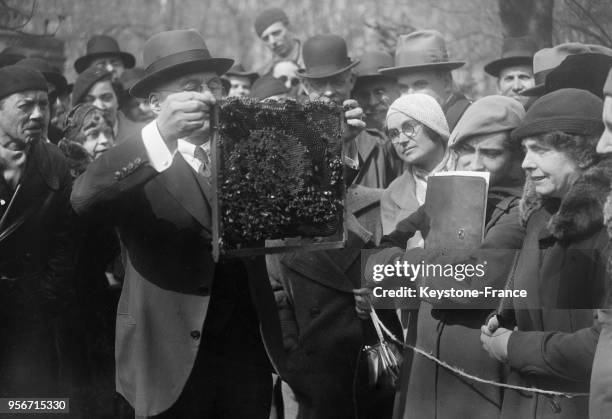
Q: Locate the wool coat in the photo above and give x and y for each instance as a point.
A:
(37, 258)
(379, 164)
(450, 328)
(562, 266)
(322, 335)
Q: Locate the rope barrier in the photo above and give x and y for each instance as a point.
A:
(567, 395)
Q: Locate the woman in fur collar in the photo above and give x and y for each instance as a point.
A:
(548, 339)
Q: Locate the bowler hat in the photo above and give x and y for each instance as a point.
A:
(100, 46)
(515, 51)
(170, 54)
(238, 70)
(372, 61)
(51, 73)
(546, 59)
(325, 56)
(421, 50)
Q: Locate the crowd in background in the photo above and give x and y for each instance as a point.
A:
(109, 294)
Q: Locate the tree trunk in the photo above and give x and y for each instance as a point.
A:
(528, 17)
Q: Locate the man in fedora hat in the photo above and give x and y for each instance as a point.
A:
(329, 75)
(188, 340)
(103, 51)
(422, 65)
(240, 80)
(546, 60)
(514, 70)
(272, 27)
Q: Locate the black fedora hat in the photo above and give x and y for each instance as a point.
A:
(51, 73)
(325, 56)
(173, 53)
(100, 46)
(515, 51)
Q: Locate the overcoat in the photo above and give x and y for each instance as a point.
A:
(562, 266)
(37, 258)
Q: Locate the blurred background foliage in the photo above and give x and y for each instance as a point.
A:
(474, 29)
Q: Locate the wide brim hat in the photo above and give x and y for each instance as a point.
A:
(169, 54)
(582, 71)
(102, 46)
(238, 70)
(515, 51)
(421, 50)
(325, 56)
(547, 59)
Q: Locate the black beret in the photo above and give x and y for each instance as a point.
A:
(85, 81)
(269, 16)
(14, 79)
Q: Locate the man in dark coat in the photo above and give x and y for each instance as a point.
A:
(422, 65)
(322, 335)
(36, 240)
(188, 340)
(329, 76)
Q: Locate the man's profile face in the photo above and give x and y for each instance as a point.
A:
(103, 96)
(433, 83)
(375, 95)
(239, 86)
(336, 88)
(514, 80)
(278, 39)
(488, 153)
(24, 117)
(112, 63)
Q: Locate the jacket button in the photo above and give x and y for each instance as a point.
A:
(204, 290)
(138, 160)
(195, 334)
(314, 312)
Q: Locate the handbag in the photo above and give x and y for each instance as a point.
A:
(384, 359)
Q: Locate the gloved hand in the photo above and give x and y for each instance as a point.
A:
(495, 343)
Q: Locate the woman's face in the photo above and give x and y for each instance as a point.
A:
(551, 171)
(98, 135)
(412, 143)
(102, 96)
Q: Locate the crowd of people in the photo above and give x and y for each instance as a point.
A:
(109, 293)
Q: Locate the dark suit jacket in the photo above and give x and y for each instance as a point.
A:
(37, 256)
(164, 221)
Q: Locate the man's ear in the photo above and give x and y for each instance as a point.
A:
(155, 102)
(353, 79)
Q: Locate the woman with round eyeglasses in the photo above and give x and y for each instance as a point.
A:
(417, 127)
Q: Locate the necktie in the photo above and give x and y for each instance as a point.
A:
(202, 156)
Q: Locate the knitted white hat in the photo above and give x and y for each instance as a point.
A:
(422, 108)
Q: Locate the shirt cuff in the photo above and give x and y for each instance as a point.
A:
(160, 156)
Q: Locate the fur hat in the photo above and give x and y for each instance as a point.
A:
(422, 108)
